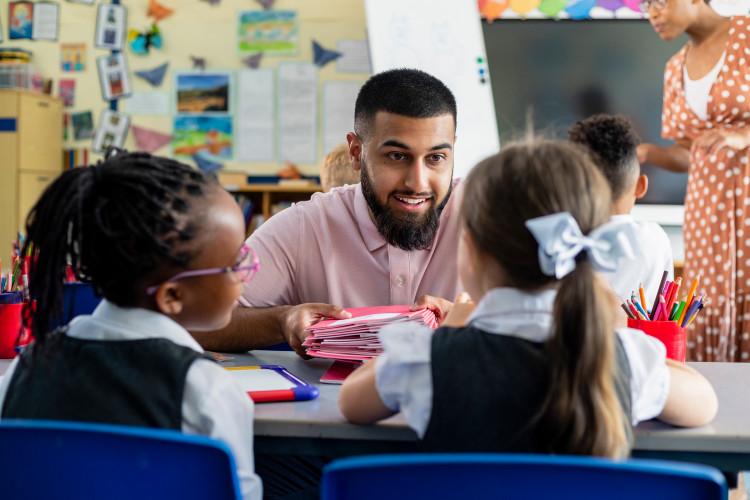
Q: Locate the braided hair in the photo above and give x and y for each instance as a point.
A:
(115, 224)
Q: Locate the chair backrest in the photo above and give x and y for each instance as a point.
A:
(517, 477)
(45, 459)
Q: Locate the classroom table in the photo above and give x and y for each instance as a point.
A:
(316, 427)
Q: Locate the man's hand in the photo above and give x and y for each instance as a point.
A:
(440, 307)
(297, 318)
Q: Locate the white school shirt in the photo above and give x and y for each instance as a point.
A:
(697, 91)
(403, 375)
(656, 257)
(212, 404)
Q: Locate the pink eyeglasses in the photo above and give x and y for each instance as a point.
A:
(244, 269)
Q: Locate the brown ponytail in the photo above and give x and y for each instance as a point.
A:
(582, 414)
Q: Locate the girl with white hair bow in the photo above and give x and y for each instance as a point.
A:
(540, 365)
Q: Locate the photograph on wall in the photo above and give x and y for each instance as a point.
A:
(110, 26)
(67, 92)
(20, 20)
(112, 130)
(83, 125)
(269, 31)
(202, 92)
(113, 76)
(72, 57)
(203, 133)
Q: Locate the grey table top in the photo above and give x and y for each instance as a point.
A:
(320, 418)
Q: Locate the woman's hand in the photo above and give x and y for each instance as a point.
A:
(713, 140)
(674, 158)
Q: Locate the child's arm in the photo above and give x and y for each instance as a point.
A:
(359, 400)
(691, 400)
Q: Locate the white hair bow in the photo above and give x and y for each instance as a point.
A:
(561, 240)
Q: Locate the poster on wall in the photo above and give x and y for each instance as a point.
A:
(110, 26)
(270, 31)
(67, 91)
(83, 125)
(256, 116)
(20, 20)
(112, 130)
(72, 57)
(45, 25)
(113, 76)
(202, 92)
(203, 133)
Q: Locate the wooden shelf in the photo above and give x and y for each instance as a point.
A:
(274, 188)
(265, 195)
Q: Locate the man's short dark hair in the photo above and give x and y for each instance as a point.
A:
(611, 142)
(406, 92)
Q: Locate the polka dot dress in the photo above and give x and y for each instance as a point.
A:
(717, 204)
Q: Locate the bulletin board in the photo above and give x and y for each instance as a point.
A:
(236, 80)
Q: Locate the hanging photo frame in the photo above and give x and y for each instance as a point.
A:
(112, 130)
(113, 76)
(110, 26)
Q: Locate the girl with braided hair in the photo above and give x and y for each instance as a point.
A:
(164, 246)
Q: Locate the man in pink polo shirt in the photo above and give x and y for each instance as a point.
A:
(392, 239)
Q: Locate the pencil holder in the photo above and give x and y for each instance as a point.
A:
(10, 327)
(669, 333)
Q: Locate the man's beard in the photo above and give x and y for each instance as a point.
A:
(403, 230)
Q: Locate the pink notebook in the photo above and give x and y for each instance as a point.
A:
(338, 371)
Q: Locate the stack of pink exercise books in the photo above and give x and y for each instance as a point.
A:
(356, 339)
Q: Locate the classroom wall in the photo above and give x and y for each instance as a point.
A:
(195, 28)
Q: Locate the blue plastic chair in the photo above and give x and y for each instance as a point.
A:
(517, 477)
(78, 299)
(55, 460)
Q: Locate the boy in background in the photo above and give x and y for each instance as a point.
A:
(612, 142)
(337, 169)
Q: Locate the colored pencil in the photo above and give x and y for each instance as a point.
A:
(643, 297)
(659, 292)
(691, 311)
(695, 315)
(641, 310)
(691, 294)
(632, 309)
(627, 311)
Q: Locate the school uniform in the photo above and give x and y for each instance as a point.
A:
(132, 366)
(477, 388)
(656, 257)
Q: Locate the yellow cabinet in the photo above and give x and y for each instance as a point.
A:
(31, 187)
(30, 155)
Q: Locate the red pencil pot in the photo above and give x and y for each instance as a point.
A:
(10, 326)
(669, 333)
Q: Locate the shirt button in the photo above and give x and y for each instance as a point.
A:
(400, 280)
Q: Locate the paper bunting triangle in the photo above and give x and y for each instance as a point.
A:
(212, 2)
(266, 4)
(158, 11)
(253, 61)
(149, 140)
(153, 76)
(207, 163)
(322, 56)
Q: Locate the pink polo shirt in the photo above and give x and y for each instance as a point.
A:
(329, 250)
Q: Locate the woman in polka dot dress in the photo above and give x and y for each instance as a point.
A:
(707, 113)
